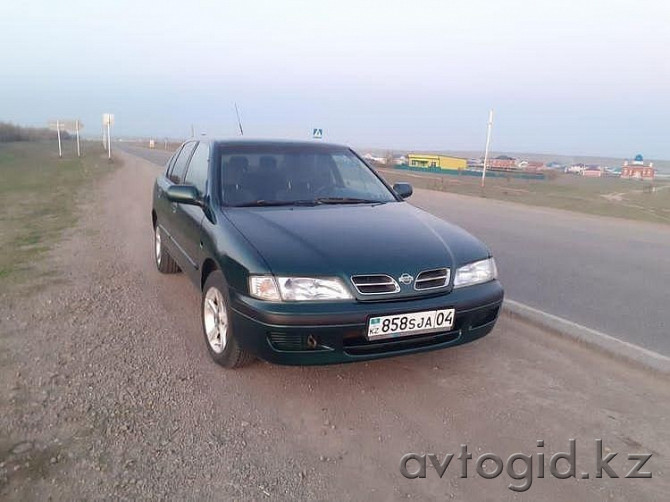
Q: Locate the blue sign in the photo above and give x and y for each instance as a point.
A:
(317, 133)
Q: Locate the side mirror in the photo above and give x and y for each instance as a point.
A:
(404, 190)
(184, 194)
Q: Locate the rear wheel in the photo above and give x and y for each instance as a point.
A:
(217, 327)
(164, 262)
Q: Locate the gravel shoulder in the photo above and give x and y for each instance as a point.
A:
(107, 392)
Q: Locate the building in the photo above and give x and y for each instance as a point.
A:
(575, 169)
(530, 165)
(637, 170)
(428, 160)
(502, 163)
(592, 171)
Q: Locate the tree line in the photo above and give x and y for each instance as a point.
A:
(12, 132)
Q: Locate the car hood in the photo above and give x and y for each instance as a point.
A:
(345, 240)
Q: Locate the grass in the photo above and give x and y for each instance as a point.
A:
(38, 198)
(644, 201)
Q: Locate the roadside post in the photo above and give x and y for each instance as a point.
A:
(59, 125)
(107, 121)
(488, 144)
(60, 149)
(76, 126)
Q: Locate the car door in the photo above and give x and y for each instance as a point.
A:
(188, 218)
(167, 210)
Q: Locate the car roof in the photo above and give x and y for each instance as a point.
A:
(251, 142)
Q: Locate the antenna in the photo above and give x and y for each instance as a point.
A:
(239, 122)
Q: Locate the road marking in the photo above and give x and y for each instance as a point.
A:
(590, 337)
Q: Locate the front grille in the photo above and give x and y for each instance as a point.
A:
(430, 279)
(361, 346)
(377, 284)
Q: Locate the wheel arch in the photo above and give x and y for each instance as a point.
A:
(208, 266)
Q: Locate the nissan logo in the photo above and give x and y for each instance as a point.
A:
(406, 278)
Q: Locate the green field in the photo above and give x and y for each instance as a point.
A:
(38, 198)
(646, 201)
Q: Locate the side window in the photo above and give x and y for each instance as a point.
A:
(179, 166)
(197, 168)
(170, 162)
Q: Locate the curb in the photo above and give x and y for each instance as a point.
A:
(589, 337)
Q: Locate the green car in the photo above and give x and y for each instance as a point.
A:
(304, 255)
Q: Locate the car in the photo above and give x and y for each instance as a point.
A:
(303, 254)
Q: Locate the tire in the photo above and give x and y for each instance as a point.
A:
(217, 321)
(164, 262)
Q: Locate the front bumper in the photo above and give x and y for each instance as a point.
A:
(325, 333)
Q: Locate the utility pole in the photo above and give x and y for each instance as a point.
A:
(78, 146)
(488, 145)
(109, 141)
(60, 150)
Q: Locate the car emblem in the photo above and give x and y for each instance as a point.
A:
(406, 278)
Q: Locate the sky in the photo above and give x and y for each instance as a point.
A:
(583, 77)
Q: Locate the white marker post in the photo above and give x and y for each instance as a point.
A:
(60, 150)
(488, 144)
(108, 120)
(76, 126)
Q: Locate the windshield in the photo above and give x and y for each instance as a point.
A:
(297, 176)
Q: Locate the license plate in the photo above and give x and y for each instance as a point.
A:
(415, 323)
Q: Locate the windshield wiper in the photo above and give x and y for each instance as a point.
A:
(262, 202)
(347, 200)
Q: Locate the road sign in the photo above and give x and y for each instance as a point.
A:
(107, 119)
(66, 125)
(317, 133)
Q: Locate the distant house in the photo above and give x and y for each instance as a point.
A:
(592, 171)
(400, 160)
(637, 170)
(374, 158)
(440, 161)
(503, 163)
(475, 163)
(530, 165)
(575, 169)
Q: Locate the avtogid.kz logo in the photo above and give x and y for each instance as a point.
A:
(519, 466)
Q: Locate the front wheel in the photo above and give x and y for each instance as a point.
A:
(217, 327)
(164, 262)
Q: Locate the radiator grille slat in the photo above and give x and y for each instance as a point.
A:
(375, 284)
(431, 279)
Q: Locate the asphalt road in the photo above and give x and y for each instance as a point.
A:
(608, 274)
(107, 392)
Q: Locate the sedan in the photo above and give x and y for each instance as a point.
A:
(304, 255)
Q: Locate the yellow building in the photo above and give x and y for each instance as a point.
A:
(441, 161)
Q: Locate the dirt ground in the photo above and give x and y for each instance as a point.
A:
(107, 392)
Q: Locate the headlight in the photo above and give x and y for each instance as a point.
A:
(298, 288)
(476, 273)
